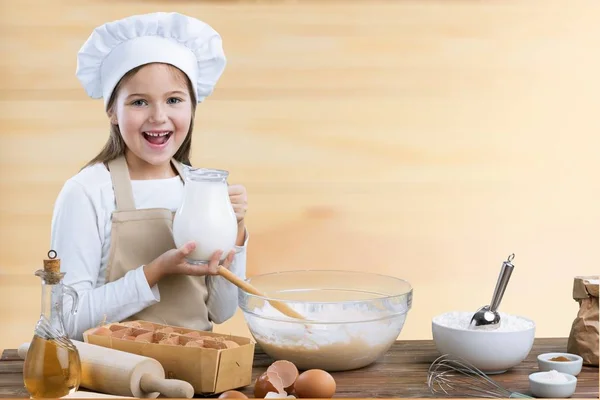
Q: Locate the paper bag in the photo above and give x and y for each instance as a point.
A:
(584, 338)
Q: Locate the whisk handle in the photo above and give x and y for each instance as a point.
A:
(517, 395)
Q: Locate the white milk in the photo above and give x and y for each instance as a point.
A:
(206, 215)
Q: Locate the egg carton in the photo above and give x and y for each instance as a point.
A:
(210, 362)
(145, 332)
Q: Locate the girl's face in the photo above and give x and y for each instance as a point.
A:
(153, 110)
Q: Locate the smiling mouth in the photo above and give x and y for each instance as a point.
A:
(157, 138)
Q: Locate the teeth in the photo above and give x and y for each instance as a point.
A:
(157, 134)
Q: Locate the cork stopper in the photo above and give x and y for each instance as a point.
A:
(51, 273)
(52, 265)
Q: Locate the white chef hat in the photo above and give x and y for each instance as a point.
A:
(116, 47)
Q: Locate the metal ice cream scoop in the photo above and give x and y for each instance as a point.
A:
(487, 316)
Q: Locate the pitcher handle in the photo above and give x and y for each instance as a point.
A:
(69, 291)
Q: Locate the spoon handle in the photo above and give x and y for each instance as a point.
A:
(503, 279)
(282, 307)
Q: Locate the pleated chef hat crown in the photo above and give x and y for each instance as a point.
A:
(117, 47)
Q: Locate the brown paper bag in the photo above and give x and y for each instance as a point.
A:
(584, 338)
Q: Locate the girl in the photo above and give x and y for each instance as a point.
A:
(112, 222)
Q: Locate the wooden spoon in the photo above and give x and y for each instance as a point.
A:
(282, 307)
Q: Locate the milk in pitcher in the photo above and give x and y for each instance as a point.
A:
(206, 215)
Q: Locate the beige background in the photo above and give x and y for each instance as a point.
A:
(424, 140)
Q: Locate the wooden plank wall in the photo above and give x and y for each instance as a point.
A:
(421, 139)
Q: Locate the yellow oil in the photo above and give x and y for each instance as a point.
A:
(51, 369)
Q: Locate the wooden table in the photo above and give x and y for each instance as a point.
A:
(401, 372)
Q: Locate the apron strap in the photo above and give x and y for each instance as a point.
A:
(121, 180)
(179, 169)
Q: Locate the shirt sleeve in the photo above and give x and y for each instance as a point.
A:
(75, 236)
(222, 300)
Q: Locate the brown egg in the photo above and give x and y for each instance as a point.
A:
(145, 337)
(267, 382)
(230, 344)
(213, 344)
(148, 326)
(315, 383)
(173, 340)
(139, 331)
(194, 343)
(117, 327)
(167, 329)
(232, 394)
(120, 334)
(102, 331)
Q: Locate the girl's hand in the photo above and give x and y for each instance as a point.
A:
(239, 201)
(173, 262)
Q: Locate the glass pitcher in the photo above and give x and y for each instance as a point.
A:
(206, 215)
(52, 366)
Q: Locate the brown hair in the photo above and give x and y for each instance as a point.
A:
(115, 146)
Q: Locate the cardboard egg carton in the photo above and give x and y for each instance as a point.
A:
(210, 362)
(161, 334)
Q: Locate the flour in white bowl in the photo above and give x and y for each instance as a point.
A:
(462, 319)
(553, 376)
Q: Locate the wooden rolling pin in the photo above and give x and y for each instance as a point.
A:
(282, 307)
(120, 373)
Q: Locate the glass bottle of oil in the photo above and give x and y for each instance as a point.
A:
(52, 366)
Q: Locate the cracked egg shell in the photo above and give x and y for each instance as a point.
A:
(315, 384)
(269, 381)
(232, 394)
(287, 371)
(273, 395)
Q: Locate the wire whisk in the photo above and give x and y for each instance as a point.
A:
(455, 377)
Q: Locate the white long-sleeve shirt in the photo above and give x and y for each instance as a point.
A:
(81, 236)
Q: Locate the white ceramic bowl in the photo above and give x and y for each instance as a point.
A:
(572, 367)
(543, 388)
(492, 351)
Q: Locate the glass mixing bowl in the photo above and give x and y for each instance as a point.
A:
(351, 318)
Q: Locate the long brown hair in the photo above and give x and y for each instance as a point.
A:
(115, 146)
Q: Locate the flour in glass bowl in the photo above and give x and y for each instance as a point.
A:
(351, 338)
(462, 319)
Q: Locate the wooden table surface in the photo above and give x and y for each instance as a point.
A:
(401, 372)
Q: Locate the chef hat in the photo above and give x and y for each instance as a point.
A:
(116, 47)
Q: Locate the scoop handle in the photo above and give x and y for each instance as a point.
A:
(503, 279)
(282, 307)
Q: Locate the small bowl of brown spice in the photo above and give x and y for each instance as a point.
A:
(561, 362)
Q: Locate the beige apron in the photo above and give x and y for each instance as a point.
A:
(140, 236)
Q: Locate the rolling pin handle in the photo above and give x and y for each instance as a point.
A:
(172, 388)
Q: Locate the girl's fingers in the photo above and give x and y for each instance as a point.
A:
(214, 262)
(229, 260)
(203, 269)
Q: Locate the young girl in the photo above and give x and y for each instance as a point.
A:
(112, 222)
